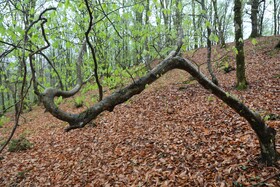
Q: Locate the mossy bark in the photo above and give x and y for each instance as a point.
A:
(240, 59)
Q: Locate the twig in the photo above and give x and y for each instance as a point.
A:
(128, 72)
(106, 15)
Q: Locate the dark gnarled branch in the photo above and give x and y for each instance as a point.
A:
(265, 133)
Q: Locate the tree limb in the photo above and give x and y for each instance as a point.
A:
(93, 51)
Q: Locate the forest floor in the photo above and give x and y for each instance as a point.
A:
(174, 133)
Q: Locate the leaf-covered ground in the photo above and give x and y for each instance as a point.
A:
(172, 134)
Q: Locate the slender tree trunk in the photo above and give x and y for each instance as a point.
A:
(146, 45)
(2, 93)
(254, 18)
(240, 59)
(164, 7)
(194, 25)
(275, 16)
(218, 22)
(177, 20)
(261, 18)
(209, 46)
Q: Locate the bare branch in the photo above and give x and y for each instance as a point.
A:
(93, 52)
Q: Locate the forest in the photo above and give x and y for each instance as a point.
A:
(139, 93)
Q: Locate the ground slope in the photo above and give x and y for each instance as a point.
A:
(172, 134)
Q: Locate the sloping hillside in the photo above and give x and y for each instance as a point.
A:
(174, 133)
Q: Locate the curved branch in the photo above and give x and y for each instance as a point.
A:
(265, 133)
(137, 87)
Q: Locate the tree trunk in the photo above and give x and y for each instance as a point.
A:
(164, 7)
(240, 59)
(266, 134)
(261, 18)
(218, 22)
(194, 25)
(254, 18)
(2, 94)
(275, 16)
(146, 45)
(177, 20)
(209, 46)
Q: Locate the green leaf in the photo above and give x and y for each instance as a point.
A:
(214, 37)
(66, 3)
(235, 50)
(68, 44)
(240, 39)
(208, 24)
(254, 41)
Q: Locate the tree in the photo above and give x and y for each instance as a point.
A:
(218, 24)
(194, 25)
(254, 18)
(261, 16)
(209, 42)
(240, 60)
(276, 16)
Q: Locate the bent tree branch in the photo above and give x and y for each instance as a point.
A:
(266, 134)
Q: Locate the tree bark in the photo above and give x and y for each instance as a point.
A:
(209, 46)
(254, 18)
(266, 134)
(240, 59)
(2, 94)
(260, 26)
(146, 45)
(275, 16)
(194, 25)
(218, 22)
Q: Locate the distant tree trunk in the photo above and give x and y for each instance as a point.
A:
(194, 25)
(218, 22)
(209, 46)
(177, 20)
(146, 45)
(240, 60)
(274, 16)
(254, 18)
(261, 15)
(2, 92)
(166, 19)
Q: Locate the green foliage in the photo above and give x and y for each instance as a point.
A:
(19, 144)
(254, 41)
(3, 120)
(235, 50)
(214, 37)
(79, 101)
(210, 98)
(122, 76)
(58, 100)
(241, 86)
(271, 117)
